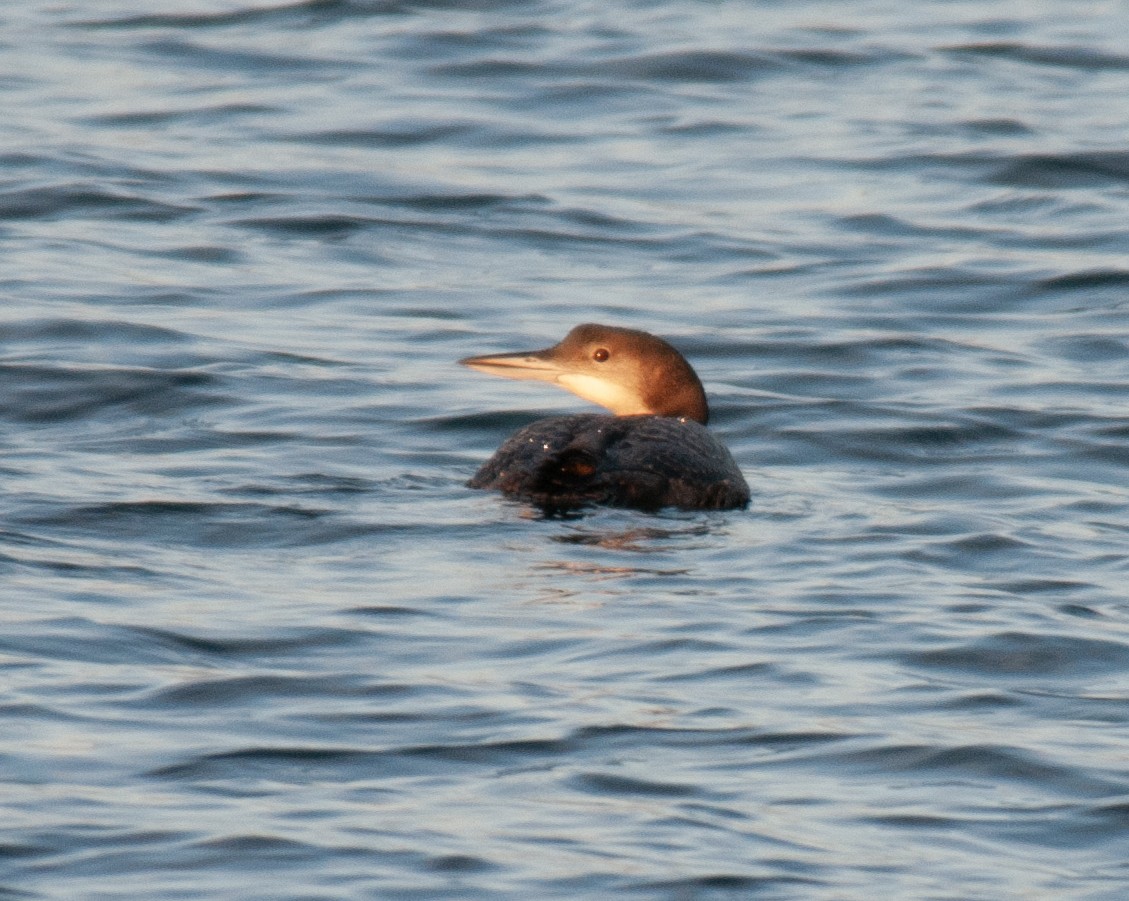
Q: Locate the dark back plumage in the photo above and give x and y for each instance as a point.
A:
(644, 462)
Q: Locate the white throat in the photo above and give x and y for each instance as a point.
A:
(607, 394)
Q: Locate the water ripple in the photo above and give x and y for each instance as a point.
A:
(260, 640)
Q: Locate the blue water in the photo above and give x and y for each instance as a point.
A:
(259, 641)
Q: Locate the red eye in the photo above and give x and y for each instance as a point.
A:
(600, 354)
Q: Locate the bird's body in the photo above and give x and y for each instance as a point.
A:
(645, 462)
(655, 452)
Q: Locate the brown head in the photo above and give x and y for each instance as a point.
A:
(627, 371)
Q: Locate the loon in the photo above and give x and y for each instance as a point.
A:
(654, 452)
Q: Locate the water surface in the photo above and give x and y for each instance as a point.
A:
(260, 642)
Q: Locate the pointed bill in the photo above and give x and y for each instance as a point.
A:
(525, 365)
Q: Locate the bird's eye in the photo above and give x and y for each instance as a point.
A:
(600, 354)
